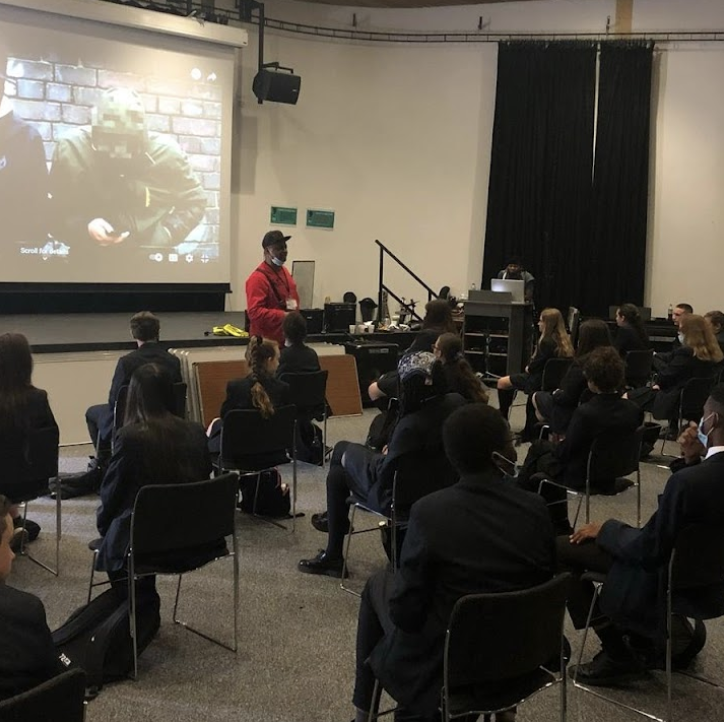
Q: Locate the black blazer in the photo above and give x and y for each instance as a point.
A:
(150, 352)
(297, 358)
(238, 393)
(682, 366)
(419, 431)
(136, 462)
(628, 340)
(482, 534)
(27, 654)
(546, 350)
(13, 444)
(634, 593)
(604, 412)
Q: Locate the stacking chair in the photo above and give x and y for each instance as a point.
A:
(308, 392)
(417, 475)
(639, 365)
(248, 440)
(501, 649)
(691, 402)
(696, 563)
(553, 373)
(573, 321)
(60, 699)
(613, 455)
(164, 541)
(41, 466)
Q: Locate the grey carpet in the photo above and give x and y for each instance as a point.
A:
(297, 632)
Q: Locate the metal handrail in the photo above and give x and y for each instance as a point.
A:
(384, 288)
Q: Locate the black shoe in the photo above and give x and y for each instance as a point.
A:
(86, 482)
(321, 523)
(30, 526)
(322, 564)
(604, 671)
(18, 540)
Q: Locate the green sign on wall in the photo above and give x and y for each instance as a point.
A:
(320, 219)
(284, 216)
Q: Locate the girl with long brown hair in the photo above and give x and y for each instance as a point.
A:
(553, 342)
(459, 375)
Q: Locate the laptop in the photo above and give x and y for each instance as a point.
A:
(506, 285)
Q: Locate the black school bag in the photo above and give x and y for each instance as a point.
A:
(97, 636)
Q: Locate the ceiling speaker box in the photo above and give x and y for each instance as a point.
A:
(277, 87)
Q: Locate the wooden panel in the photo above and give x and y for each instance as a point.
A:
(342, 384)
(211, 379)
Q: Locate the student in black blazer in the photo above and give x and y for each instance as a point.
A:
(27, 654)
(145, 329)
(554, 342)
(356, 469)
(296, 357)
(699, 356)
(557, 407)
(23, 408)
(483, 534)
(259, 390)
(566, 462)
(153, 447)
(633, 599)
(630, 334)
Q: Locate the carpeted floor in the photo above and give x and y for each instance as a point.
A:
(297, 632)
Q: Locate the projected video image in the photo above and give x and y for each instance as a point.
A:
(102, 165)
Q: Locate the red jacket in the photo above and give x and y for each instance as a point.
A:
(267, 291)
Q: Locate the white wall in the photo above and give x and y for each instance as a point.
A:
(397, 140)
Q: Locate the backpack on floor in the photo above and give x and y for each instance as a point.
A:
(97, 636)
(271, 499)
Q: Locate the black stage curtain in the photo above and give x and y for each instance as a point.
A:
(539, 196)
(621, 178)
(582, 234)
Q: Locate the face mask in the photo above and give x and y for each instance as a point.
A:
(514, 468)
(703, 438)
(277, 261)
(680, 336)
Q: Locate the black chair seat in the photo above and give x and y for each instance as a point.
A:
(176, 564)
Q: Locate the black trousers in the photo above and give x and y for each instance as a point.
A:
(99, 420)
(340, 485)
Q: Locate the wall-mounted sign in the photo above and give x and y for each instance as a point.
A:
(320, 219)
(283, 216)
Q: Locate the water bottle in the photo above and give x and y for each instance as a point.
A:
(670, 313)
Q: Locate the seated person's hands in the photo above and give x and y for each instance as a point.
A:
(691, 448)
(588, 532)
(103, 233)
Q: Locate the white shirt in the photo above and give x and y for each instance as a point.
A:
(713, 450)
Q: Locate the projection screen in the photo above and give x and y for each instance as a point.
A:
(115, 148)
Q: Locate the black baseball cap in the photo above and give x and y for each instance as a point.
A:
(273, 237)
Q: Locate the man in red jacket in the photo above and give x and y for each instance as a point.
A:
(270, 290)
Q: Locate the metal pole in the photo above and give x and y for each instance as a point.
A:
(381, 283)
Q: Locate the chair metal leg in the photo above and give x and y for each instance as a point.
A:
(294, 490)
(92, 575)
(55, 571)
(578, 509)
(324, 438)
(638, 498)
(345, 556)
(586, 630)
(132, 616)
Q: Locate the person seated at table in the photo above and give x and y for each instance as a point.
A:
(566, 461)
(553, 342)
(27, 654)
(632, 607)
(438, 320)
(480, 535)
(23, 409)
(557, 407)
(630, 334)
(153, 447)
(459, 375)
(716, 320)
(261, 389)
(296, 357)
(356, 469)
(698, 357)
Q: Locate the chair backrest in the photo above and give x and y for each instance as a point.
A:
(170, 517)
(307, 390)
(418, 475)
(638, 366)
(698, 557)
(119, 410)
(41, 454)
(693, 397)
(574, 323)
(553, 373)
(501, 636)
(179, 404)
(179, 397)
(246, 433)
(614, 454)
(60, 699)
